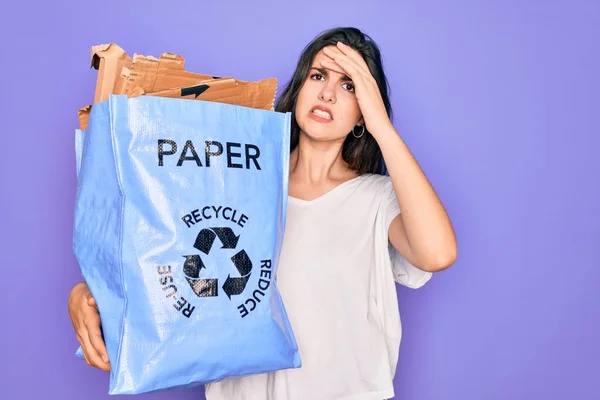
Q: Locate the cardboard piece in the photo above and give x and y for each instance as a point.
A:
(108, 59)
(121, 83)
(145, 68)
(259, 94)
(166, 76)
(151, 75)
(166, 80)
(84, 115)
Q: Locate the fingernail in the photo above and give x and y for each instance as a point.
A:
(105, 358)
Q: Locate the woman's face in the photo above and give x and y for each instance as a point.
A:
(326, 108)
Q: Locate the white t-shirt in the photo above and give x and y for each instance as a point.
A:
(336, 277)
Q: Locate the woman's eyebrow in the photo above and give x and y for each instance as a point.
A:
(325, 72)
(322, 71)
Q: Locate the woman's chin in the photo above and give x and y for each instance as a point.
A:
(323, 136)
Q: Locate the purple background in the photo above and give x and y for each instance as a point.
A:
(499, 101)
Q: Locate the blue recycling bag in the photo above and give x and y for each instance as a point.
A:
(179, 220)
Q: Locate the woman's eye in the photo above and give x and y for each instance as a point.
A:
(348, 86)
(317, 77)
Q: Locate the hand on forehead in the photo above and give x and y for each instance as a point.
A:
(343, 60)
(323, 61)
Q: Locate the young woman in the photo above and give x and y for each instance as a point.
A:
(361, 216)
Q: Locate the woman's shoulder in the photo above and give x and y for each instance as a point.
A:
(378, 182)
(374, 186)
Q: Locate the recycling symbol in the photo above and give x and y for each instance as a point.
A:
(193, 265)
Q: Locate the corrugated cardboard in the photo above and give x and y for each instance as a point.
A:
(151, 75)
(121, 84)
(167, 80)
(108, 59)
(166, 76)
(259, 94)
(84, 115)
(145, 68)
(170, 75)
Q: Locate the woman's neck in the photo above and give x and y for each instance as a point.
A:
(316, 163)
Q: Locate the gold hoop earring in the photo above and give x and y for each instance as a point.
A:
(362, 132)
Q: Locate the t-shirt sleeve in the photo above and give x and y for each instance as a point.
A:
(404, 272)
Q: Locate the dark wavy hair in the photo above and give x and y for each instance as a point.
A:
(363, 155)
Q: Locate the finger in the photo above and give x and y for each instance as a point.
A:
(331, 65)
(350, 66)
(94, 340)
(336, 53)
(85, 356)
(354, 55)
(92, 302)
(357, 78)
(98, 342)
(92, 357)
(90, 299)
(332, 53)
(352, 70)
(93, 327)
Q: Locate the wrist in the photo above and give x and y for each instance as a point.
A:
(383, 130)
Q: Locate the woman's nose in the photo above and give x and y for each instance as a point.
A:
(327, 94)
